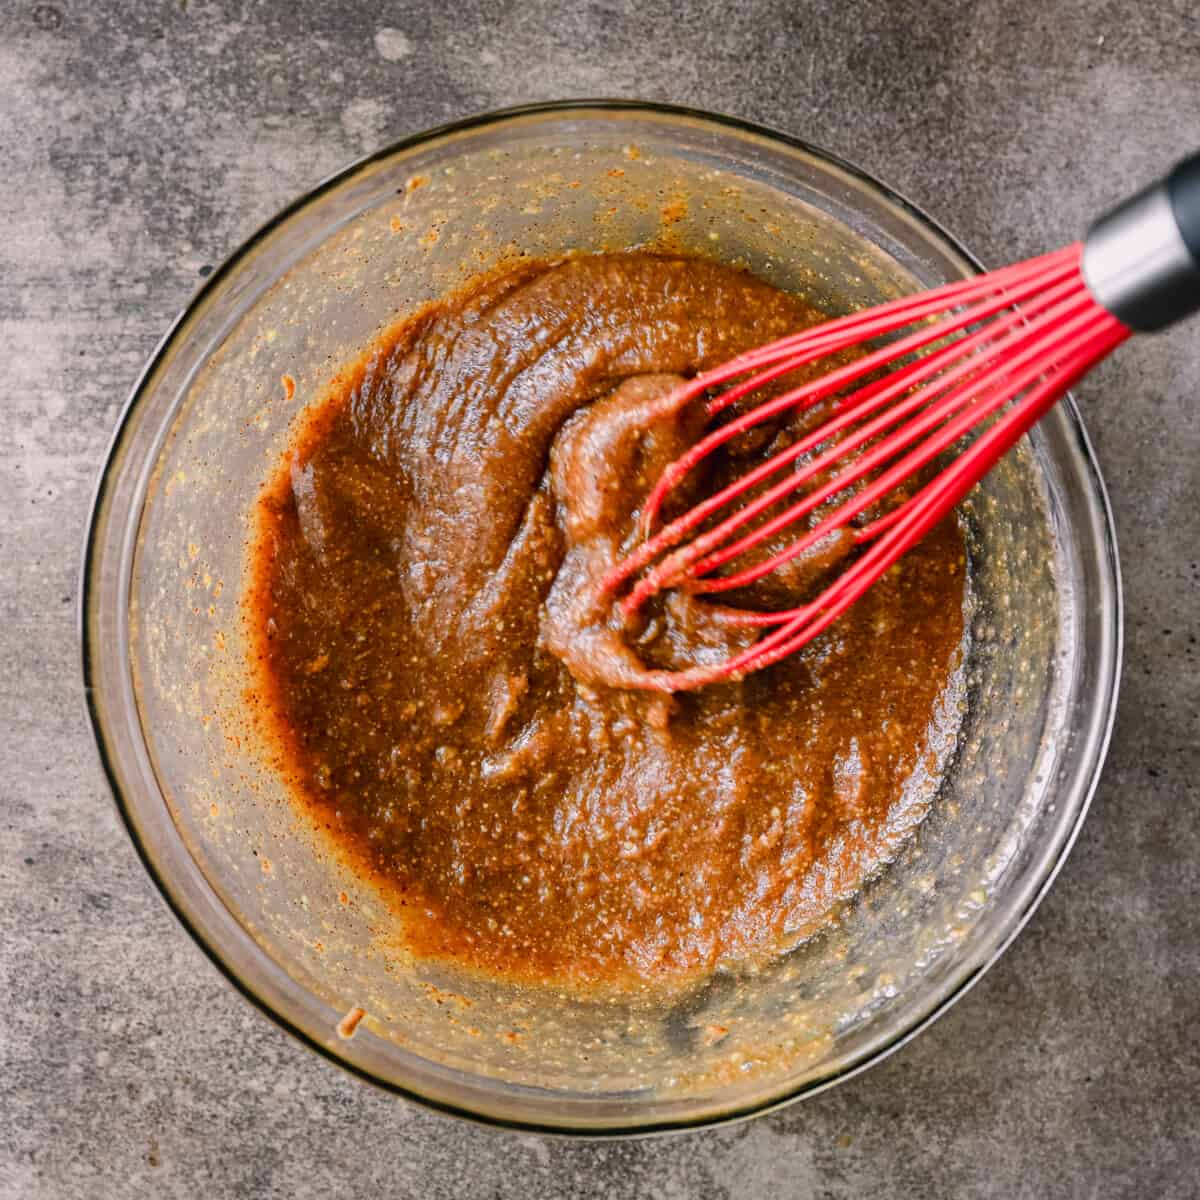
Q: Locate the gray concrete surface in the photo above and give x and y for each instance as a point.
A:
(139, 143)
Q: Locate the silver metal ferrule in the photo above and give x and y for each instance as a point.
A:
(1136, 264)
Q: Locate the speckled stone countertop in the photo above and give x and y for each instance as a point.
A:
(139, 144)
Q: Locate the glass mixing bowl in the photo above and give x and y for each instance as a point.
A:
(298, 934)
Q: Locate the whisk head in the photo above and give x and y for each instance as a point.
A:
(966, 371)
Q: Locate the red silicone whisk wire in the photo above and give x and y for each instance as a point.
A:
(984, 370)
(929, 416)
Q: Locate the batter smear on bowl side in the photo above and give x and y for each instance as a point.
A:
(455, 705)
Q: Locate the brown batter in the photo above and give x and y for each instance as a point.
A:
(465, 717)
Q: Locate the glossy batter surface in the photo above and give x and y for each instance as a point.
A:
(460, 714)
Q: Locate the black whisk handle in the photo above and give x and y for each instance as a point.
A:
(1141, 261)
(1183, 188)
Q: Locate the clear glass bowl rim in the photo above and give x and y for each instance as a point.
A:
(1079, 793)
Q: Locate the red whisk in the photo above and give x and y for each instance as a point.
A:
(981, 362)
